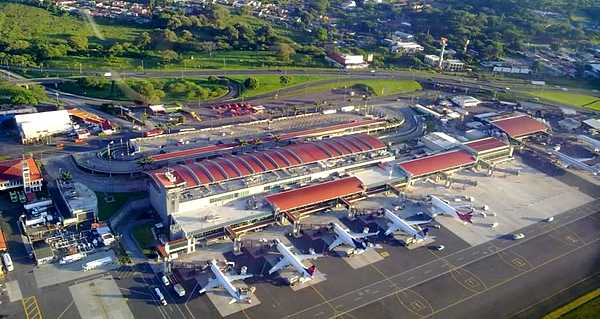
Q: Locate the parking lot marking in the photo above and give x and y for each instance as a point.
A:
(31, 308)
(384, 254)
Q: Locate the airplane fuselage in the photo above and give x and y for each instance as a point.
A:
(400, 224)
(220, 276)
(348, 239)
(292, 259)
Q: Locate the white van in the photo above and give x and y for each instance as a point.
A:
(8, 262)
(160, 296)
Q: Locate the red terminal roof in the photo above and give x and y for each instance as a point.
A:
(520, 125)
(315, 194)
(228, 167)
(306, 133)
(192, 151)
(437, 163)
(486, 144)
(12, 170)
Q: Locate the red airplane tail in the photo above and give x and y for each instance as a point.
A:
(312, 269)
(465, 217)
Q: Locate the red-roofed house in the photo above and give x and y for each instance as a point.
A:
(11, 174)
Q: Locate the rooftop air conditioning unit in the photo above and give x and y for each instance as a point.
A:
(169, 175)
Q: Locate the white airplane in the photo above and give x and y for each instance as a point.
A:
(354, 240)
(291, 259)
(396, 223)
(444, 208)
(225, 281)
(567, 161)
(593, 144)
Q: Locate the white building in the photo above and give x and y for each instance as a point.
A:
(451, 65)
(406, 47)
(347, 61)
(80, 200)
(36, 126)
(439, 141)
(465, 101)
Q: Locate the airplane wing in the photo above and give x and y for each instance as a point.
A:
(363, 235)
(309, 256)
(418, 222)
(392, 228)
(213, 283)
(233, 278)
(336, 243)
(283, 262)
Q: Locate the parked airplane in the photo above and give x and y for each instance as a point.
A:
(567, 161)
(444, 208)
(291, 259)
(396, 223)
(354, 240)
(225, 281)
(592, 144)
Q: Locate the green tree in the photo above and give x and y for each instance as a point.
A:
(251, 83)
(285, 51)
(143, 40)
(78, 42)
(284, 80)
(168, 56)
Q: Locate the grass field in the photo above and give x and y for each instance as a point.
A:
(144, 237)
(107, 209)
(271, 82)
(571, 99)
(19, 21)
(376, 86)
(584, 307)
(123, 91)
(589, 310)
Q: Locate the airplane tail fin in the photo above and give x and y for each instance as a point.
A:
(467, 217)
(311, 270)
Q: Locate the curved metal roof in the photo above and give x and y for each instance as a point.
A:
(231, 167)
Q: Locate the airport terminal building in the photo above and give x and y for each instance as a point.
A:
(198, 198)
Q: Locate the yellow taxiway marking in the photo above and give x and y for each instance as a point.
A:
(31, 308)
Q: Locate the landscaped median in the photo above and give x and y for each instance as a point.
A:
(584, 307)
(569, 99)
(110, 203)
(377, 87)
(145, 239)
(268, 83)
